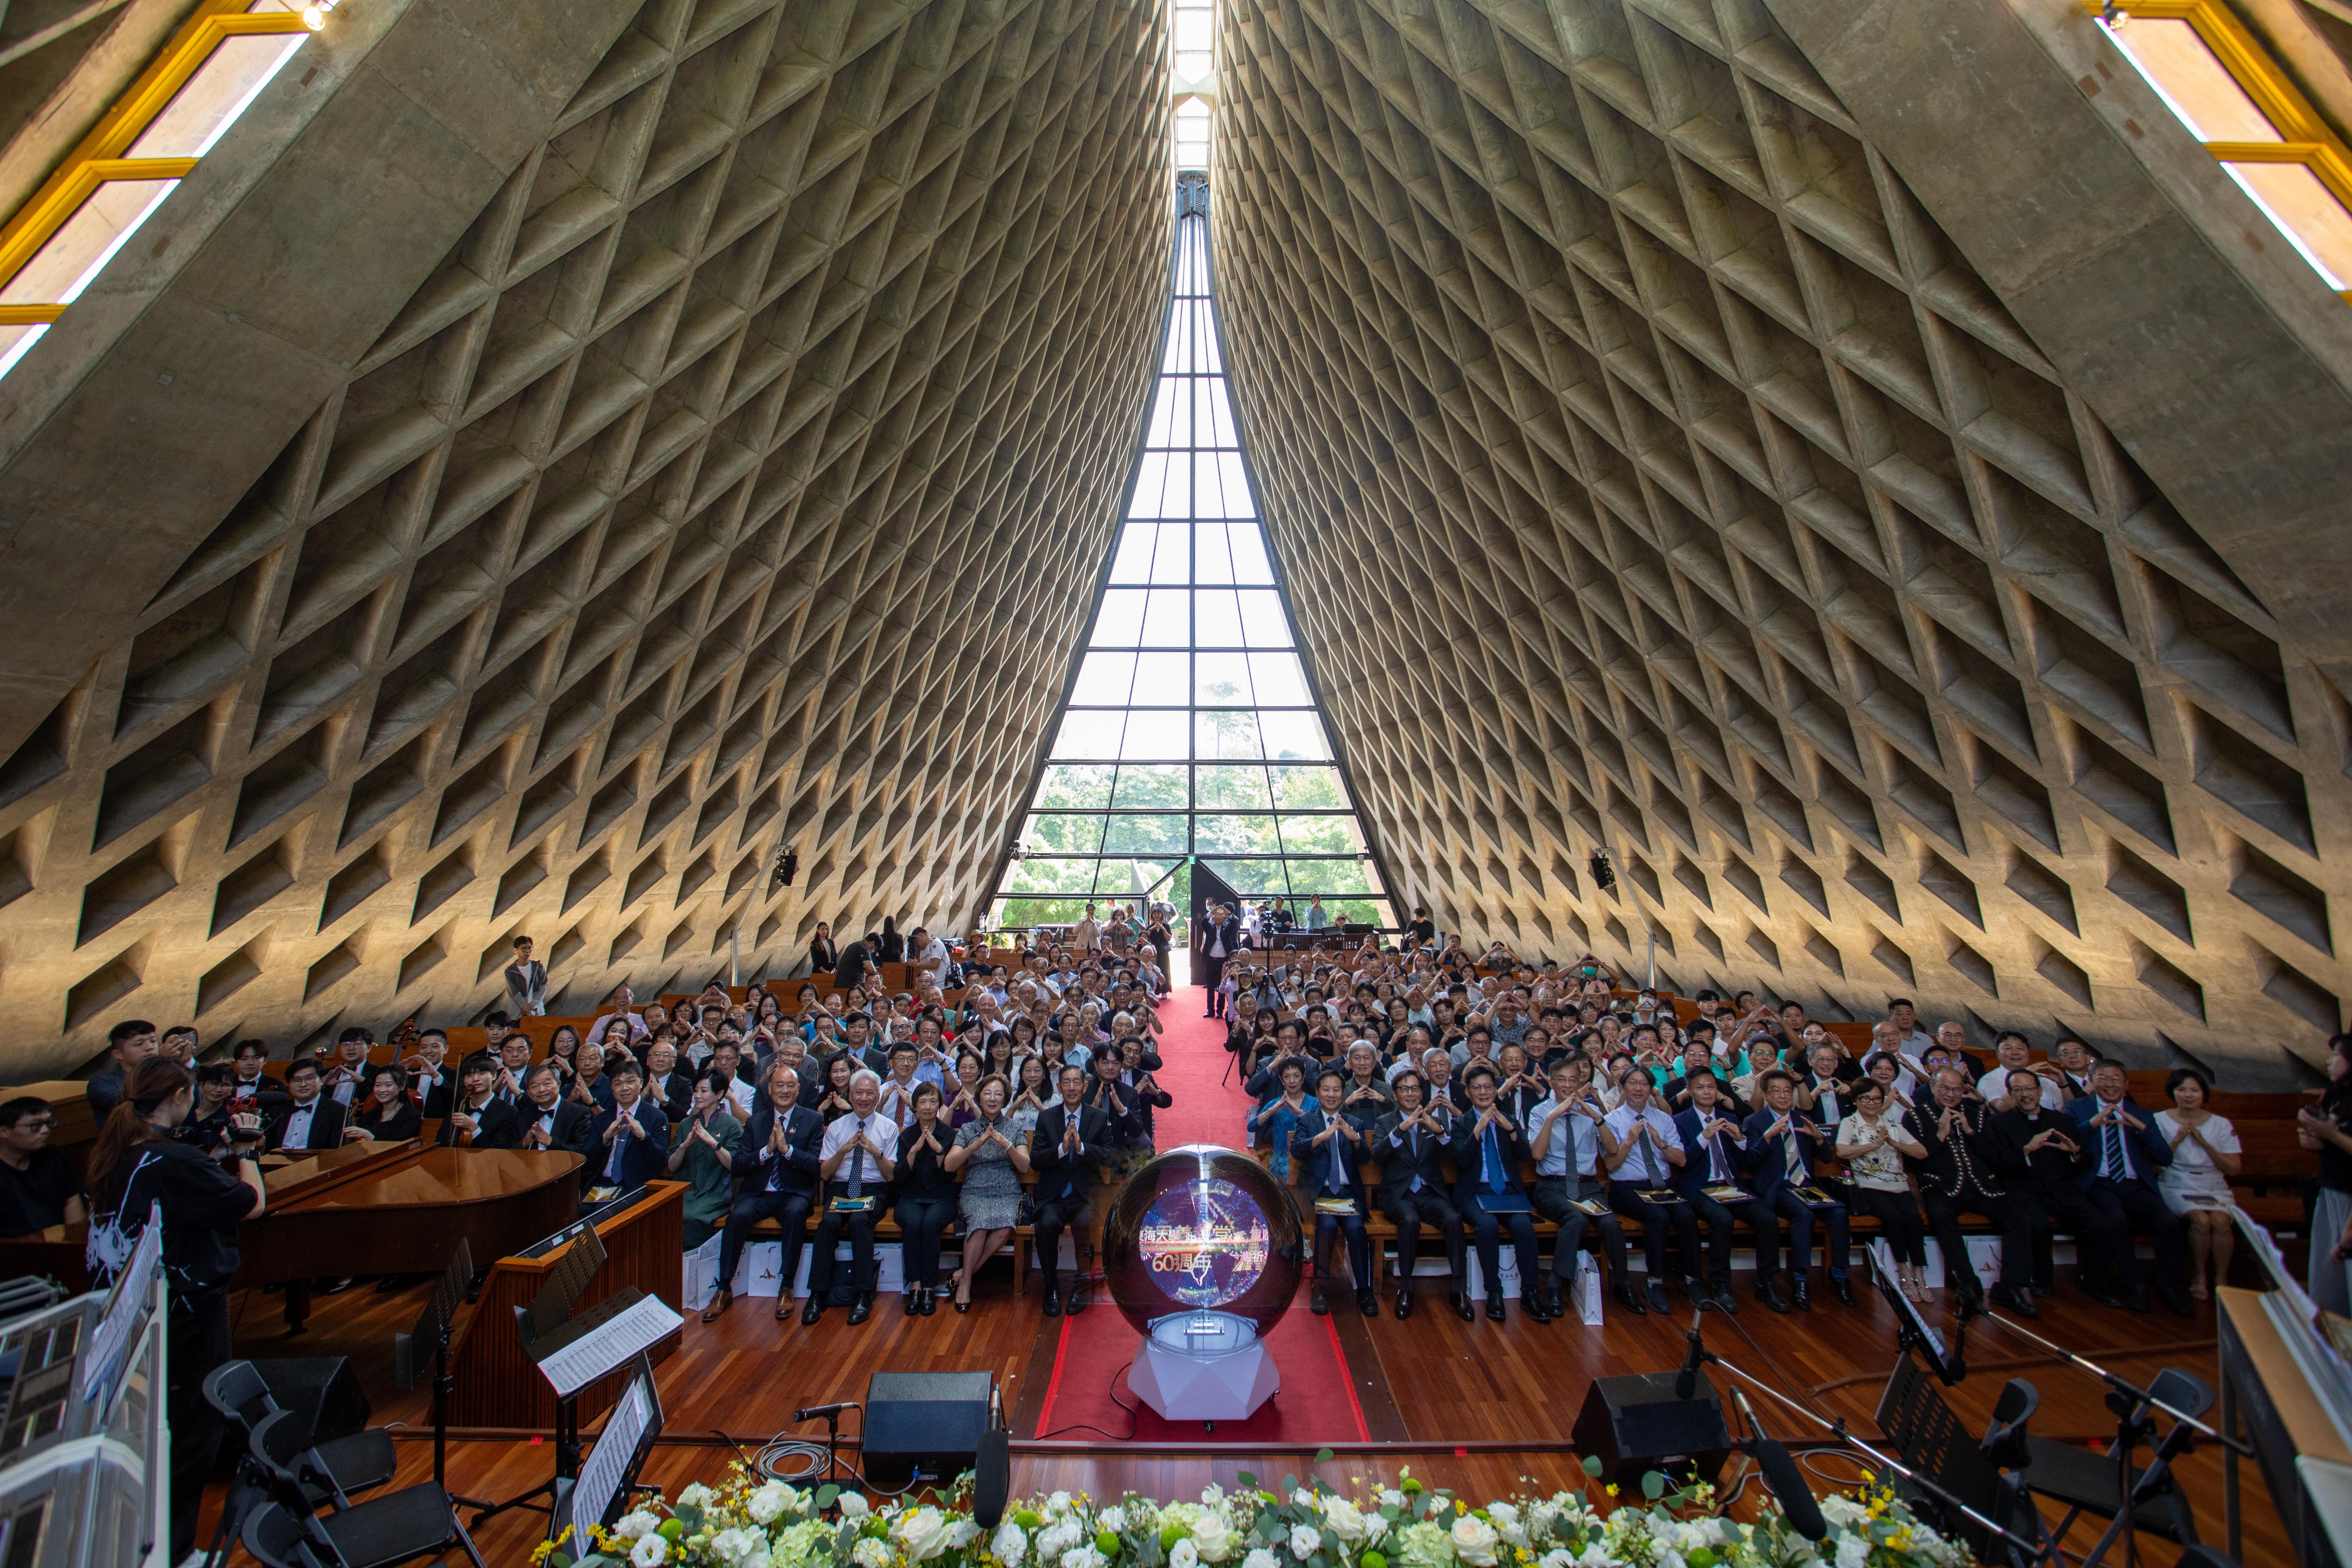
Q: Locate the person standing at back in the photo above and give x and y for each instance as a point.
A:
(526, 983)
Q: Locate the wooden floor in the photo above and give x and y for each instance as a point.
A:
(1435, 1391)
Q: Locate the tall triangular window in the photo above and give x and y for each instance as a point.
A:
(1191, 734)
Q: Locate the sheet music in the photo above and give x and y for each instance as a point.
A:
(591, 1356)
(125, 1308)
(608, 1462)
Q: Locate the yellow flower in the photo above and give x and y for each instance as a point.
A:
(1461, 1507)
(1610, 1489)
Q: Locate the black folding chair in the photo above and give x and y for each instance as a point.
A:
(385, 1530)
(358, 1463)
(2082, 1482)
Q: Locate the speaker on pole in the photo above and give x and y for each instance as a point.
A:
(1635, 1423)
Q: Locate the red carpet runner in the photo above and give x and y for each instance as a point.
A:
(1088, 1389)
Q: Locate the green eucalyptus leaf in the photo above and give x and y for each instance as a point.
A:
(1247, 1480)
(1323, 1455)
(1591, 1464)
(1653, 1485)
(827, 1495)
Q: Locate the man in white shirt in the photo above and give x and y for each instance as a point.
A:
(931, 953)
(1914, 1040)
(1641, 1186)
(857, 1160)
(1568, 1138)
(2012, 1049)
(311, 1121)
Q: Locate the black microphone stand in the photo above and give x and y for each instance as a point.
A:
(832, 1414)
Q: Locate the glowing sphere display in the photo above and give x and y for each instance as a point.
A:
(1201, 1229)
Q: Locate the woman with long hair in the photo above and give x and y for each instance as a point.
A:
(137, 1165)
(823, 957)
(562, 1048)
(381, 1112)
(2328, 1129)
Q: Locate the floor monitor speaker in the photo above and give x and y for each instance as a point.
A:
(1634, 1424)
(923, 1422)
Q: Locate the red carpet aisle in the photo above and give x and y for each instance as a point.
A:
(1317, 1404)
(1209, 1105)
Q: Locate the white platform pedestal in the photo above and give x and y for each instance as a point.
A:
(1203, 1366)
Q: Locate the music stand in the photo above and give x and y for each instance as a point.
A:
(1913, 1331)
(601, 1492)
(433, 1326)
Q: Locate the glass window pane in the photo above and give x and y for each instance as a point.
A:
(2305, 211)
(1056, 833)
(1225, 734)
(1329, 877)
(86, 242)
(1263, 624)
(1250, 563)
(1142, 788)
(1147, 835)
(1050, 874)
(1235, 484)
(1231, 788)
(1171, 415)
(1089, 735)
(1214, 412)
(1320, 835)
(1168, 622)
(1251, 875)
(1078, 789)
(1105, 679)
(1162, 676)
(1216, 617)
(1278, 679)
(1153, 734)
(1221, 677)
(1212, 559)
(1120, 625)
(1133, 561)
(1172, 563)
(1308, 789)
(2199, 87)
(209, 103)
(1296, 732)
(1234, 835)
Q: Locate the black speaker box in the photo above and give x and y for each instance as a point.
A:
(924, 1421)
(1634, 1424)
(323, 1390)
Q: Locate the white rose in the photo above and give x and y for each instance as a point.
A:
(1083, 1557)
(1059, 1502)
(1305, 1539)
(1854, 1552)
(870, 1553)
(962, 1533)
(1595, 1555)
(766, 1505)
(1058, 1537)
(1212, 1495)
(854, 1505)
(1346, 1520)
(641, 1523)
(1391, 1497)
(1839, 1508)
(924, 1534)
(731, 1544)
(1556, 1557)
(758, 1559)
(650, 1550)
(695, 1495)
(1184, 1555)
(1261, 1558)
(1507, 1523)
(1475, 1541)
(1112, 1519)
(1304, 1497)
(1214, 1540)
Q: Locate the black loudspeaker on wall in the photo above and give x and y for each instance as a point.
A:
(930, 1422)
(1634, 1424)
(322, 1389)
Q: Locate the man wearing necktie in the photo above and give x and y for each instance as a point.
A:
(632, 1144)
(1783, 1144)
(2126, 1151)
(1408, 1146)
(858, 1156)
(1066, 1149)
(1488, 1149)
(1649, 1151)
(1327, 1148)
(1711, 1132)
(1569, 1139)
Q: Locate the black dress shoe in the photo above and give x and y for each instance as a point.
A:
(2138, 1300)
(2016, 1301)
(1722, 1297)
(1627, 1300)
(1554, 1306)
(1053, 1300)
(813, 1311)
(861, 1308)
(911, 1298)
(2176, 1302)
(1368, 1303)
(1494, 1306)
(1534, 1307)
(930, 1299)
(1462, 1307)
(1769, 1294)
(1801, 1294)
(1315, 1301)
(1081, 1293)
(1845, 1289)
(2103, 1296)
(1404, 1304)
(1657, 1295)
(718, 1305)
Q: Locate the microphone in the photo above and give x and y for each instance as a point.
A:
(815, 1412)
(1686, 1379)
(1782, 1474)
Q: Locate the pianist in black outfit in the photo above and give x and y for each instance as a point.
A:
(137, 1162)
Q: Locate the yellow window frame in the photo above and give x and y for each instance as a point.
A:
(98, 157)
(2305, 137)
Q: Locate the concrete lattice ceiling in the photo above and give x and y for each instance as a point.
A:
(1654, 471)
(717, 492)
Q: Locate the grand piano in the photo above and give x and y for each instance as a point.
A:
(399, 1208)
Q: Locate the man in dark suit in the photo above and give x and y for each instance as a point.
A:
(310, 1121)
(1488, 1149)
(1221, 938)
(1066, 1150)
(632, 1139)
(1717, 1167)
(1783, 1144)
(1121, 1108)
(666, 1086)
(2125, 1154)
(2034, 1150)
(1326, 1151)
(1409, 1145)
(775, 1165)
(480, 1119)
(551, 1122)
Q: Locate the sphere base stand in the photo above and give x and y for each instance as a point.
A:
(1203, 1366)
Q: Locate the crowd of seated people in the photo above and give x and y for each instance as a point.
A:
(1479, 1094)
